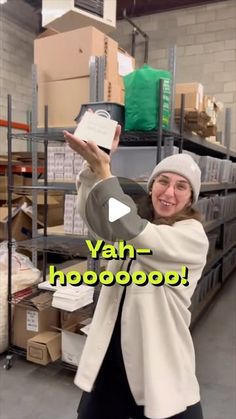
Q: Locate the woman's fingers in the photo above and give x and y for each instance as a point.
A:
(93, 146)
(75, 143)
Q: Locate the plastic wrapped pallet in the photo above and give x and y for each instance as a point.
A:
(24, 275)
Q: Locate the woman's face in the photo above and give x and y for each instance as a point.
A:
(171, 193)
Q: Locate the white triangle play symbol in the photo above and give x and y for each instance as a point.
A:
(116, 209)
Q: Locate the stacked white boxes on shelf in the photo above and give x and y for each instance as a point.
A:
(63, 163)
(217, 170)
(216, 206)
(73, 223)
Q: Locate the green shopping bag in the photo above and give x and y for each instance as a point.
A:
(141, 98)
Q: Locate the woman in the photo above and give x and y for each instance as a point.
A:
(138, 361)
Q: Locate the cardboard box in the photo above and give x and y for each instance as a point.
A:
(65, 97)
(192, 102)
(72, 344)
(55, 210)
(17, 181)
(22, 219)
(191, 88)
(3, 223)
(33, 315)
(76, 317)
(27, 180)
(44, 348)
(67, 55)
(21, 224)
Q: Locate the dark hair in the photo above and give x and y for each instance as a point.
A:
(146, 211)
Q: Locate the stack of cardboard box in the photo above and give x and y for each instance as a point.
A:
(193, 96)
(201, 111)
(63, 72)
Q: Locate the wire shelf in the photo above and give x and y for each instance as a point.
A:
(52, 135)
(134, 138)
(25, 296)
(24, 190)
(22, 294)
(65, 245)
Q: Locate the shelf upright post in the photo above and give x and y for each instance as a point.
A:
(34, 160)
(227, 135)
(9, 224)
(172, 70)
(97, 75)
(29, 122)
(96, 85)
(100, 78)
(93, 79)
(45, 210)
(169, 140)
(160, 120)
(227, 131)
(181, 126)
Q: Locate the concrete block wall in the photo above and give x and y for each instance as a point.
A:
(205, 37)
(16, 58)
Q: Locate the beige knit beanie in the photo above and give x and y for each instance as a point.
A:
(183, 165)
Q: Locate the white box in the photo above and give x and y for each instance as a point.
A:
(66, 15)
(58, 176)
(93, 127)
(69, 176)
(59, 149)
(72, 345)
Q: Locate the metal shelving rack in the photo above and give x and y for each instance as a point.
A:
(74, 246)
(176, 136)
(183, 140)
(200, 146)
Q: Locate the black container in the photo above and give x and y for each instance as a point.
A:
(115, 110)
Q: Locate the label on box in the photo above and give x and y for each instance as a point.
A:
(32, 321)
(96, 128)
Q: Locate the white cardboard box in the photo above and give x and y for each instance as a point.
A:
(72, 345)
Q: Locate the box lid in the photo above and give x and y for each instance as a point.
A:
(47, 32)
(42, 300)
(50, 339)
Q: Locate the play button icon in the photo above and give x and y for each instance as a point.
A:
(112, 209)
(116, 209)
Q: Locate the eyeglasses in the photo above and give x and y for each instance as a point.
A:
(181, 187)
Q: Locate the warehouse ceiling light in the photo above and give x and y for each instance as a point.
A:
(3, 1)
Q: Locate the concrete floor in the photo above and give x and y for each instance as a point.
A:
(28, 391)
